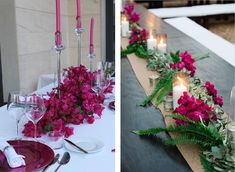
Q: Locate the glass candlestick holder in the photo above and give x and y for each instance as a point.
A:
(91, 58)
(79, 32)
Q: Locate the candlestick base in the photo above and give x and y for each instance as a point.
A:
(91, 57)
(59, 48)
(79, 31)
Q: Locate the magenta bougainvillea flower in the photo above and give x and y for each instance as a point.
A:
(211, 90)
(138, 36)
(78, 103)
(194, 109)
(128, 9)
(135, 17)
(131, 15)
(186, 62)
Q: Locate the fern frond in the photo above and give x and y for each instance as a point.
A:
(163, 93)
(162, 83)
(148, 132)
(179, 116)
(208, 166)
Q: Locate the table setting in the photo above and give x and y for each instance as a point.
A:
(192, 109)
(25, 147)
(66, 125)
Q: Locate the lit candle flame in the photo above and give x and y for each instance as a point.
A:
(124, 19)
(161, 41)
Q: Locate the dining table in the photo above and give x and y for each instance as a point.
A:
(102, 129)
(141, 154)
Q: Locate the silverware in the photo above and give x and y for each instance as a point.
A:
(64, 160)
(81, 149)
(53, 162)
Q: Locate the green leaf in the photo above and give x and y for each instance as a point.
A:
(148, 132)
(48, 127)
(141, 52)
(179, 116)
(208, 166)
(129, 50)
(199, 134)
(163, 92)
(197, 58)
(175, 57)
(164, 80)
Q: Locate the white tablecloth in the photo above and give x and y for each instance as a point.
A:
(102, 129)
(45, 80)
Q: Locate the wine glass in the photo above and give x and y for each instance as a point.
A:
(109, 69)
(35, 109)
(15, 107)
(100, 83)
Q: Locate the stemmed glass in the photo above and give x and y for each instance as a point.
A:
(109, 69)
(15, 107)
(35, 109)
(100, 83)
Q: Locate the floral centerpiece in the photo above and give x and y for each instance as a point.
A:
(131, 15)
(199, 117)
(78, 103)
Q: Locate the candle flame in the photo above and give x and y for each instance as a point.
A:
(181, 81)
(124, 19)
(161, 41)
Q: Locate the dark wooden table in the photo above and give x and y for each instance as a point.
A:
(140, 154)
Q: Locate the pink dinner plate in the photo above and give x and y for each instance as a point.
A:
(112, 105)
(37, 156)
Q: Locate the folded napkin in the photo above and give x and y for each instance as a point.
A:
(14, 160)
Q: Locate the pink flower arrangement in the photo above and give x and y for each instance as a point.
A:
(138, 36)
(211, 90)
(78, 103)
(194, 109)
(131, 14)
(135, 17)
(186, 62)
(128, 9)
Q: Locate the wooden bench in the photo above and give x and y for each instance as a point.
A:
(213, 42)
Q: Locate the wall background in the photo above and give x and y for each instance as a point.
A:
(31, 34)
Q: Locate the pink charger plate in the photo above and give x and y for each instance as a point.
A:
(37, 156)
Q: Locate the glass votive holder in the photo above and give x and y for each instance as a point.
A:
(162, 42)
(168, 103)
(56, 139)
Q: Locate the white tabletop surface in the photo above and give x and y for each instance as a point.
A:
(103, 129)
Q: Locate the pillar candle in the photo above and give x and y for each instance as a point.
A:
(79, 24)
(58, 31)
(151, 43)
(125, 27)
(91, 36)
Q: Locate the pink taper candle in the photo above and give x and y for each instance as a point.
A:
(79, 24)
(58, 31)
(91, 36)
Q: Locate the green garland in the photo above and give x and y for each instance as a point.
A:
(136, 48)
(217, 154)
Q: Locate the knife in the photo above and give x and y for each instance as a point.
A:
(70, 142)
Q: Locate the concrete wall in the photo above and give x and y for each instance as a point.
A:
(35, 26)
(8, 43)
